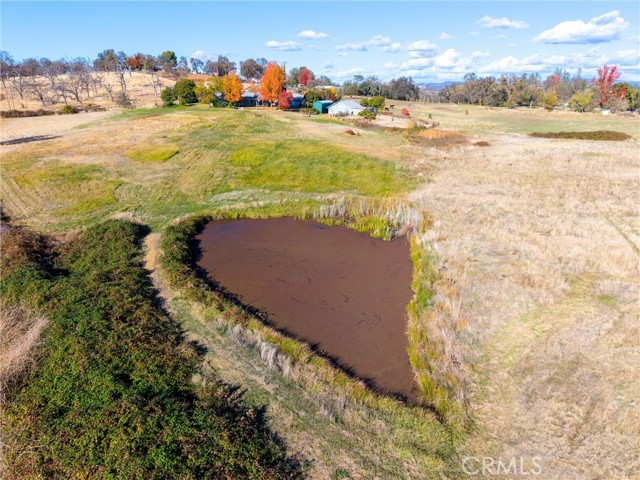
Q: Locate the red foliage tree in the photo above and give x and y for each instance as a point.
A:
(305, 75)
(284, 100)
(604, 83)
(272, 82)
(134, 63)
(405, 112)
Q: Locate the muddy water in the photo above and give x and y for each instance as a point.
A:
(339, 290)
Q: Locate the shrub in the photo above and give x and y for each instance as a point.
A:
(184, 91)
(284, 100)
(582, 101)
(367, 114)
(68, 109)
(123, 100)
(167, 96)
(550, 101)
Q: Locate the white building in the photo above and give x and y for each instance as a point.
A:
(344, 108)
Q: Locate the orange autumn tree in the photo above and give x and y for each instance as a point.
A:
(272, 82)
(231, 88)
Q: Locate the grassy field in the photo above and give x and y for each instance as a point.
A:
(532, 278)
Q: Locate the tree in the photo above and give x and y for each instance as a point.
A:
(168, 59)
(184, 91)
(377, 103)
(272, 82)
(550, 100)
(221, 67)
(251, 69)
(305, 75)
(167, 96)
(135, 62)
(604, 83)
(197, 65)
(293, 78)
(582, 101)
(205, 93)
(284, 100)
(231, 88)
(403, 89)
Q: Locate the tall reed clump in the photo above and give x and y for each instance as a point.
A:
(435, 351)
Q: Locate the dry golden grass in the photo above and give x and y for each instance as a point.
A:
(20, 334)
(537, 245)
(539, 242)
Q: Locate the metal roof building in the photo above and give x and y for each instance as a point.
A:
(345, 107)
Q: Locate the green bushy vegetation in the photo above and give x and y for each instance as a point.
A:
(112, 396)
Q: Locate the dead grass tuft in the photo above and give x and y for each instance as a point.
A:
(20, 333)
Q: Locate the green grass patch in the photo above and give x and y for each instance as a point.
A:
(112, 396)
(312, 166)
(154, 153)
(602, 135)
(69, 189)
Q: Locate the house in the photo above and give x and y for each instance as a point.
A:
(296, 101)
(322, 106)
(345, 108)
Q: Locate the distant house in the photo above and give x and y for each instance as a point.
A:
(345, 108)
(296, 101)
(322, 106)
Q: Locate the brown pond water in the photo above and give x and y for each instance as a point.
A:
(339, 290)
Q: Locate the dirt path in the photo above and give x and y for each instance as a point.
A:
(549, 289)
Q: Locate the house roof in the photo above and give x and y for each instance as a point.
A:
(348, 104)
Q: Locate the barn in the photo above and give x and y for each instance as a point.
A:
(345, 108)
(321, 105)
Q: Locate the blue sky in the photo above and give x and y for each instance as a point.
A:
(430, 41)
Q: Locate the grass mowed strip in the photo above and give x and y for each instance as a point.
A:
(112, 396)
(603, 135)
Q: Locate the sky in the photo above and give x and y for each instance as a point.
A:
(430, 41)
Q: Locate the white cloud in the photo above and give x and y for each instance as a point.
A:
(501, 37)
(343, 54)
(600, 29)
(504, 22)
(200, 55)
(589, 60)
(312, 34)
(314, 47)
(355, 47)
(513, 45)
(474, 33)
(375, 41)
(379, 41)
(393, 48)
(328, 66)
(422, 49)
(283, 46)
(444, 36)
(348, 73)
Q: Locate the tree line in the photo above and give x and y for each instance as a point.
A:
(558, 89)
(79, 79)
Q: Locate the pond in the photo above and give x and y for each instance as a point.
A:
(339, 290)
